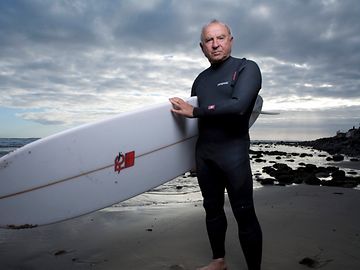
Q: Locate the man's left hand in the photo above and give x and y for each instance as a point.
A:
(181, 107)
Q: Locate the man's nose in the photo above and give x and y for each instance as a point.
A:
(215, 44)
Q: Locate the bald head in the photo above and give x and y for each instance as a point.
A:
(213, 22)
(216, 41)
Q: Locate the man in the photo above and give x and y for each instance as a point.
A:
(226, 93)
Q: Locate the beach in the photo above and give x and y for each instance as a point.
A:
(318, 226)
(305, 226)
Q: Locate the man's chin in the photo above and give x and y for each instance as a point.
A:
(218, 59)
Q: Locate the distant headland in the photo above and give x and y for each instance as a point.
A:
(346, 143)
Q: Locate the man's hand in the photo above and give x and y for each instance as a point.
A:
(181, 107)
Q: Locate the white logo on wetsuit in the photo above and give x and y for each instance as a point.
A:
(222, 83)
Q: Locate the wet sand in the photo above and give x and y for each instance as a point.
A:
(321, 224)
(355, 165)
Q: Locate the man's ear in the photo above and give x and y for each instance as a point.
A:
(201, 46)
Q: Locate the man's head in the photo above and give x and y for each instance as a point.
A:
(216, 41)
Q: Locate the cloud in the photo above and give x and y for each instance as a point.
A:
(69, 62)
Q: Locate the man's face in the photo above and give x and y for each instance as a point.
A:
(217, 42)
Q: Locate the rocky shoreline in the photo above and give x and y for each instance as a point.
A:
(282, 174)
(345, 143)
(341, 146)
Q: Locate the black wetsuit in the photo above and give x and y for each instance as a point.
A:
(226, 94)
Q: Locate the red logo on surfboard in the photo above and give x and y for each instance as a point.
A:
(123, 161)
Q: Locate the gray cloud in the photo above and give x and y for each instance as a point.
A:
(103, 57)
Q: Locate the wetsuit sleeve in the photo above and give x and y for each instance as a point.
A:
(246, 88)
(193, 88)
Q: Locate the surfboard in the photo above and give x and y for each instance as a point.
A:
(96, 165)
(256, 110)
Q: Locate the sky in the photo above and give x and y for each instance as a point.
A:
(70, 62)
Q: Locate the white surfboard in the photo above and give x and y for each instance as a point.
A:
(256, 110)
(94, 166)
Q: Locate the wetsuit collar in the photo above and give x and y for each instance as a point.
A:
(217, 65)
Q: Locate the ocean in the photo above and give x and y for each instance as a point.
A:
(184, 189)
(10, 144)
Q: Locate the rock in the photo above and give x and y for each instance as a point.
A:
(338, 175)
(310, 168)
(302, 155)
(302, 164)
(193, 173)
(338, 157)
(269, 170)
(312, 180)
(60, 252)
(282, 167)
(285, 179)
(322, 174)
(332, 169)
(267, 181)
(309, 262)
